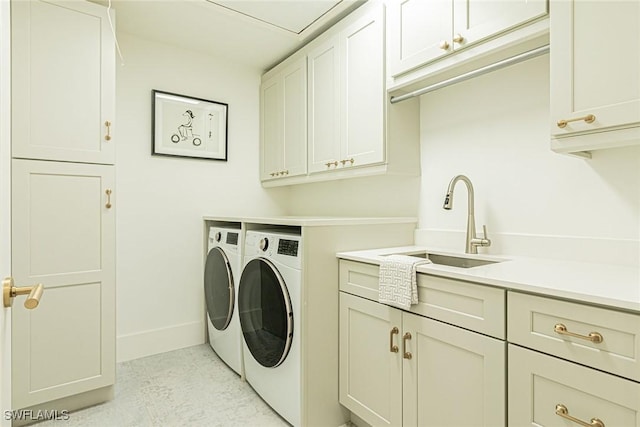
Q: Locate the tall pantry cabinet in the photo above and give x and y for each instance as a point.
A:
(63, 202)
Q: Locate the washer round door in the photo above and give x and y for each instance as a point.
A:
(219, 289)
(266, 316)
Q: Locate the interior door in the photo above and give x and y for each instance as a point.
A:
(5, 205)
(63, 235)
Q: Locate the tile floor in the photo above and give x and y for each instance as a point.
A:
(187, 387)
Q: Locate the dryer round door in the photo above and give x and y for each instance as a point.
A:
(266, 316)
(218, 288)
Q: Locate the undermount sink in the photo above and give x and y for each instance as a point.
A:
(454, 261)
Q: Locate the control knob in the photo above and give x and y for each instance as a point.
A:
(218, 236)
(264, 244)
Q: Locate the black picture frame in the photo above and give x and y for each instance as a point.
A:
(186, 126)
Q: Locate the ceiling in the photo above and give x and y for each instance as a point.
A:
(257, 33)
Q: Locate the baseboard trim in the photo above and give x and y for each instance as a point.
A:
(62, 409)
(624, 252)
(155, 341)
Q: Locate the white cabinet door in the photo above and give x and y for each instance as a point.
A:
(595, 65)
(539, 384)
(363, 92)
(294, 85)
(63, 235)
(324, 103)
(453, 377)
(416, 31)
(63, 82)
(370, 373)
(283, 104)
(272, 148)
(423, 31)
(475, 20)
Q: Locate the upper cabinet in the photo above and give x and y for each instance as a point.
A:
(595, 74)
(347, 97)
(283, 124)
(52, 44)
(421, 32)
(336, 121)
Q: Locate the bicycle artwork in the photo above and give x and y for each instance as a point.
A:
(189, 127)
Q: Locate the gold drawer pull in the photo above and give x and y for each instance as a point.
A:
(393, 348)
(563, 412)
(351, 160)
(590, 118)
(594, 337)
(108, 193)
(407, 354)
(107, 137)
(329, 164)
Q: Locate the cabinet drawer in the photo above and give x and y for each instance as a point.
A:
(532, 323)
(359, 278)
(539, 383)
(468, 305)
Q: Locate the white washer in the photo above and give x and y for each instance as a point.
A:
(269, 301)
(221, 277)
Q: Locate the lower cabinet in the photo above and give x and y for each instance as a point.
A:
(399, 368)
(63, 229)
(547, 391)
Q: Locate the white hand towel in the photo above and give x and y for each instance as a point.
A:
(398, 283)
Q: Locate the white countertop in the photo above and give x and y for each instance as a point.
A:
(602, 284)
(308, 221)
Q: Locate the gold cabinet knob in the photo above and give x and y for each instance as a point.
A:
(444, 45)
(458, 38)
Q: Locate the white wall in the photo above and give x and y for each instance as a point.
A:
(363, 197)
(161, 200)
(495, 130)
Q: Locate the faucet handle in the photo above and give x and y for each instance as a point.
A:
(485, 241)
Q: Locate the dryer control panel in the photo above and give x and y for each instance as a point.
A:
(288, 247)
(280, 247)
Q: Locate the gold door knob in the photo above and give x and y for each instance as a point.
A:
(9, 291)
(458, 38)
(444, 45)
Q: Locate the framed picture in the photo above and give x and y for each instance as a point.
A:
(188, 127)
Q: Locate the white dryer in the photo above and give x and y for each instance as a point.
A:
(221, 275)
(269, 300)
